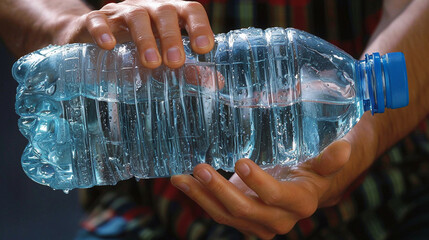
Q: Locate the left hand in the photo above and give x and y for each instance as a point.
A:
(256, 203)
(141, 21)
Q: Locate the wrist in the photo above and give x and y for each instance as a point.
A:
(68, 23)
(62, 30)
(28, 26)
(364, 142)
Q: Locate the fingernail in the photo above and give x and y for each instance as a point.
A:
(173, 54)
(202, 41)
(106, 38)
(204, 175)
(150, 55)
(243, 169)
(183, 187)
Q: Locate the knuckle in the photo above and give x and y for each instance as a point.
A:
(169, 35)
(137, 12)
(273, 198)
(109, 6)
(221, 219)
(241, 211)
(95, 22)
(200, 27)
(195, 6)
(217, 187)
(165, 8)
(281, 228)
(93, 14)
(96, 29)
(144, 40)
(307, 210)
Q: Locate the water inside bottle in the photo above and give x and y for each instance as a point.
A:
(103, 142)
(95, 127)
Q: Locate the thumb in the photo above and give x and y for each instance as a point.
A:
(332, 158)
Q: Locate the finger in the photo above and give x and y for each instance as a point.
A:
(332, 159)
(197, 26)
(288, 195)
(203, 197)
(98, 28)
(167, 23)
(237, 204)
(238, 183)
(139, 23)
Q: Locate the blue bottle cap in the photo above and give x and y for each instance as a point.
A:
(396, 81)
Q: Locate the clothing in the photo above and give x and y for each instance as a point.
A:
(381, 199)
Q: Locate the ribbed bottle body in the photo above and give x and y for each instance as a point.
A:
(95, 117)
(103, 118)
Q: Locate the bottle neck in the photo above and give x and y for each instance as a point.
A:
(373, 83)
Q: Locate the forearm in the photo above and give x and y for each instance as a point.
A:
(408, 33)
(373, 135)
(31, 24)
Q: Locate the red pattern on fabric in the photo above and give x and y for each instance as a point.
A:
(160, 184)
(184, 221)
(300, 19)
(131, 214)
(277, 2)
(298, 3)
(95, 221)
(171, 192)
(190, 210)
(306, 226)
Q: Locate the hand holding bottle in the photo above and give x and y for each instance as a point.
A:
(141, 21)
(255, 202)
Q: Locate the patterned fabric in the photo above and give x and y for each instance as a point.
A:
(346, 23)
(389, 202)
(168, 215)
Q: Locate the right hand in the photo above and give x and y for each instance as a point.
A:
(142, 21)
(255, 202)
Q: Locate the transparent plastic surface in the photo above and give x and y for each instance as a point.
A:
(95, 117)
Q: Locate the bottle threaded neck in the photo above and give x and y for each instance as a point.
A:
(384, 81)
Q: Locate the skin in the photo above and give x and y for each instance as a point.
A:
(253, 200)
(25, 29)
(256, 203)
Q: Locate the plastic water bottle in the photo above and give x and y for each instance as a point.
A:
(276, 96)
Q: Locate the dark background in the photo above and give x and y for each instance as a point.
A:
(27, 210)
